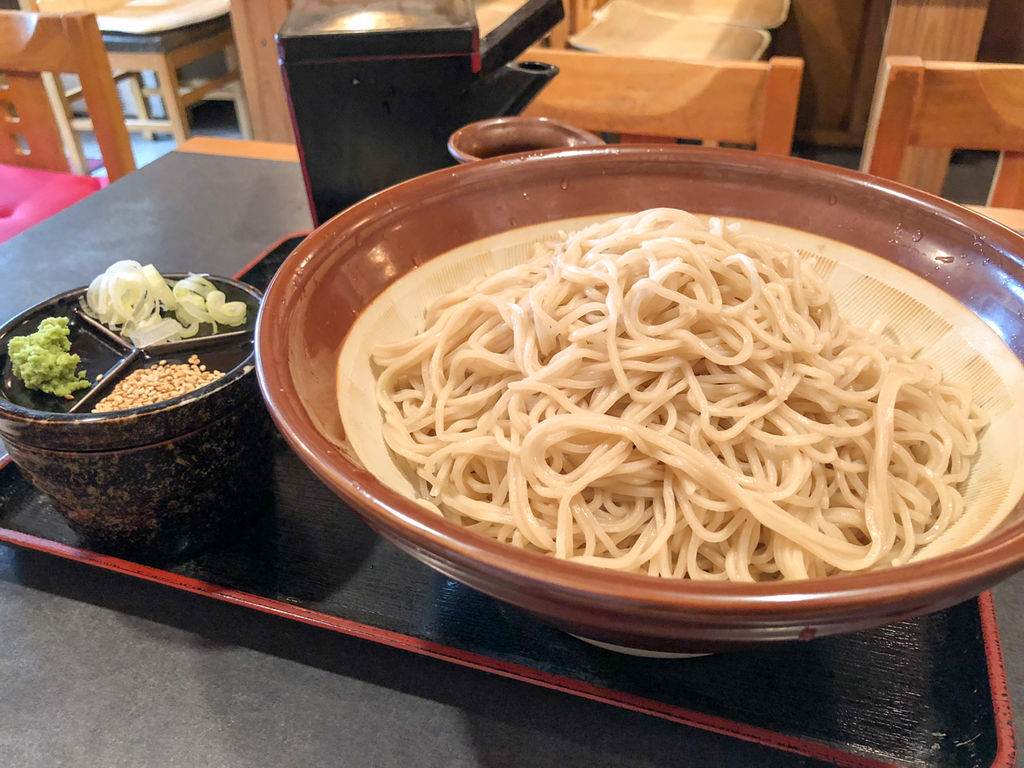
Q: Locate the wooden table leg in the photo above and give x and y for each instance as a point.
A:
(945, 30)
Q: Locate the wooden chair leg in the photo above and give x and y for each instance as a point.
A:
(69, 136)
(167, 82)
(242, 110)
(558, 37)
(1008, 187)
(139, 100)
(237, 91)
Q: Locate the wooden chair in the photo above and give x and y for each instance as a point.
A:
(763, 14)
(33, 44)
(739, 102)
(633, 28)
(164, 52)
(961, 105)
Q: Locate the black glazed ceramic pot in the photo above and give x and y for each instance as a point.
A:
(160, 482)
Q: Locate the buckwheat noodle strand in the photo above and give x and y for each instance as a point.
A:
(661, 396)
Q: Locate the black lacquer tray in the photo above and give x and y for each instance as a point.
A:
(927, 692)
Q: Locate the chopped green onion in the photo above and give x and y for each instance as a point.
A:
(129, 298)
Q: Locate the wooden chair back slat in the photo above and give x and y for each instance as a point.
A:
(723, 101)
(951, 105)
(28, 130)
(978, 105)
(31, 44)
(779, 101)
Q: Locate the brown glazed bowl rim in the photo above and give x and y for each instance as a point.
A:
(480, 128)
(530, 579)
(16, 413)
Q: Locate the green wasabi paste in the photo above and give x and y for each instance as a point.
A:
(42, 361)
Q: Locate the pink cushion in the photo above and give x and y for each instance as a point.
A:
(28, 196)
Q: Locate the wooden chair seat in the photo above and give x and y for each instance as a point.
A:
(759, 14)
(631, 28)
(165, 40)
(143, 17)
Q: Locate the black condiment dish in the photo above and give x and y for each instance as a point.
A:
(160, 482)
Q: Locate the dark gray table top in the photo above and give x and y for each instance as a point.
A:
(100, 669)
(183, 212)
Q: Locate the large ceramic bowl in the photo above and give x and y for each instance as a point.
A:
(952, 277)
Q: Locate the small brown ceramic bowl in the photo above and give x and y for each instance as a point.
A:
(160, 482)
(886, 249)
(509, 135)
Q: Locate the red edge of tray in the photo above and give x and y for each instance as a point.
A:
(1006, 750)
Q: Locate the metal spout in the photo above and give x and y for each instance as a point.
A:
(506, 91)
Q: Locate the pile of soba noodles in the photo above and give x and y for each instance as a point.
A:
(663, 396)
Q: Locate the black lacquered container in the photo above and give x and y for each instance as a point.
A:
(375, 88)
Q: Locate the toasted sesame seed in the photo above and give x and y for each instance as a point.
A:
(159, 382)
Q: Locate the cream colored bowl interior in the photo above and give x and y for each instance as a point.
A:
(865, 286)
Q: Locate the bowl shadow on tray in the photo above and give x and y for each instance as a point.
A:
(846, 686)
(299, 547)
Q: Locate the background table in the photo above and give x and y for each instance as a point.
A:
(100, 669)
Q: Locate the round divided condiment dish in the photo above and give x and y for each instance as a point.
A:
(158, 482)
